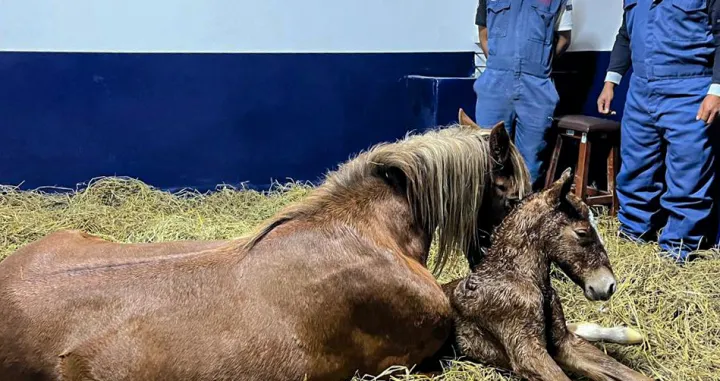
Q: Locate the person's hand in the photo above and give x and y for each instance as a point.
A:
(709, 108)
(606, 96)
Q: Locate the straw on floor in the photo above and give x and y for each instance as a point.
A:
(677, 308)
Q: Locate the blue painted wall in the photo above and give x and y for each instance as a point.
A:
(196, 120)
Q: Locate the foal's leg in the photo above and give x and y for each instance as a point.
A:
(522, 335)
(579, 356)
(520, 351)
(531, 361)
(503, 323)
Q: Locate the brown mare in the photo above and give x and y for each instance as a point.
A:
(333, 285)
(506, 312)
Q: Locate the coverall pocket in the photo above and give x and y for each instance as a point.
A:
(498, 17)
(627, 4)
(689, 20)
(541, 28)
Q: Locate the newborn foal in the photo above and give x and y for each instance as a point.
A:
(507, 314)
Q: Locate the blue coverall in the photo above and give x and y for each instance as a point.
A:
(667, 173)
(516, 87)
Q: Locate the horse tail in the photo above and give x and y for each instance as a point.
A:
(595, 332)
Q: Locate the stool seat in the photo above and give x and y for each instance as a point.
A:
(587, 124)
(586, 129)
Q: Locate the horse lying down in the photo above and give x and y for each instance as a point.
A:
(333, 285)
(506, 313)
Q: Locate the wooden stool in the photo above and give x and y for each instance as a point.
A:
(587, 129)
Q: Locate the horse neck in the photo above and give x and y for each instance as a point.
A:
(518, 248)
(380, 214)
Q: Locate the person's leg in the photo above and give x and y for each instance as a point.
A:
(639, 182)
(535, 106)
(493, 89)
(690, 164)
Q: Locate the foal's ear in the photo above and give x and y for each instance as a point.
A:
(500, 143)
(578, 205)
(465, 120)
(560, 188)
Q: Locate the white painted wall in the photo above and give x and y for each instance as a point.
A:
(596, 23)
(266, 25)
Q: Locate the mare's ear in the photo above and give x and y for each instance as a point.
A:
(560, 188)
(394, 177)
(500, 144)
(465, 120)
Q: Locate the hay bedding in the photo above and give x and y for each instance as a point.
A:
(678, 308)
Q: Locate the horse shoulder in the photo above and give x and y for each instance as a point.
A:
(416, 312)
(370, 305)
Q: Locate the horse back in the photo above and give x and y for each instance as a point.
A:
(66, 250)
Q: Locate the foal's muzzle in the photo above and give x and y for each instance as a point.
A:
(600, 284)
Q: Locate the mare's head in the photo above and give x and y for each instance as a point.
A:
(447, 183)
(566, 233)
(510, 181)
(459, 181)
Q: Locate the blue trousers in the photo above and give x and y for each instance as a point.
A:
(526, 104)
(667, 177)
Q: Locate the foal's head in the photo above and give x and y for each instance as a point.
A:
(569, 238)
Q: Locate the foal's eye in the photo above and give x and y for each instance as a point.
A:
(501, 187)
(582, 233)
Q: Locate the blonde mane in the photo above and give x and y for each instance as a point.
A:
(447, 170)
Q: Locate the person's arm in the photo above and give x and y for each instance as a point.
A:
(481, 22)
(564, 29)
(483, 39)
(711, 105)
(620, 60)
(563, 42)
(620, 56)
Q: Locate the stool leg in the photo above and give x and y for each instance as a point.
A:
(552, 167)
(582, 168)
(613, 164)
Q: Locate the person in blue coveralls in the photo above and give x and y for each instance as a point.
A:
(520, 39)
(667, 174)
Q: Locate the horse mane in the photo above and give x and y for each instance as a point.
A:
(446, 171)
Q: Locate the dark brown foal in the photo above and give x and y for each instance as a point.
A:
(506, 313)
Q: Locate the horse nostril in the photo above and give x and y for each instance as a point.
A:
(591, 290)
(611, 290)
